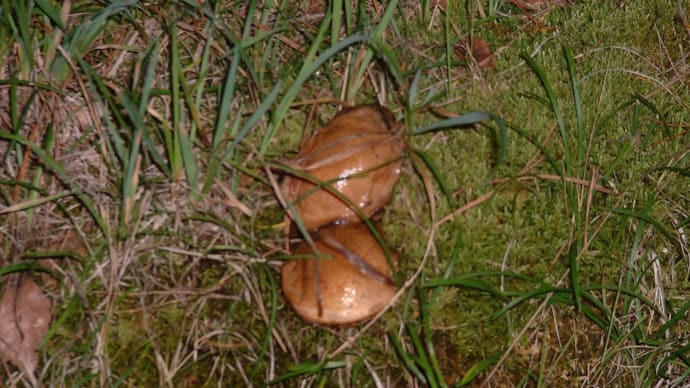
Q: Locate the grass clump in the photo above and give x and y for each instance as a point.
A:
(546, 244)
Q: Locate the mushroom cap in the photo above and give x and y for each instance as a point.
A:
(351, 286)
(364, 141)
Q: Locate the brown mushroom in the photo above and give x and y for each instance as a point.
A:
(358, 153)
(352, 285)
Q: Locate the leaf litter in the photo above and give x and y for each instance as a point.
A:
(24, 321)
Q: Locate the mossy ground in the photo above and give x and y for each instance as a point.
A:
(583, 221)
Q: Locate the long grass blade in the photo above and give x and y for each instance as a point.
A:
(291, 93)
(555, 108)
(579, 115)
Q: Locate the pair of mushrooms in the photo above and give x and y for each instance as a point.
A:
(358, 155)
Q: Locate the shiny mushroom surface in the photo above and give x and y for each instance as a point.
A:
(358, 153)
(352, 285)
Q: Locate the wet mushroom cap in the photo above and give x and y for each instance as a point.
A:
(359, 153)
(351, 286)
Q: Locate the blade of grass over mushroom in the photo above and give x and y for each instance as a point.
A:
(327, 185)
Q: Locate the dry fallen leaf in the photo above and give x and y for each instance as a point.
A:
(24, 321)
(480, 52)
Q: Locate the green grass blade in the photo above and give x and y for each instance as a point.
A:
(435, 172)
(336, 23)
(376, 35)
(525, 296)
(227, 97)
(579, 116)
(405, 357)
(473, 284)
(391, 59)
(266, 103)
(573, 256)
(555, 108)
(305, 72)
(476, 369)
(271, 320)
(175, 145)
(132, 167)
(413, 91)
(464, 120)
(642, 216)
(549, 159)
(678, 316)
(327, 185)
(52, 12)
(421, 358)
(29, 204)
(22, 266)
(291, 93)
(307, 368)
(429, 351)
(149, 75)
(23, 19)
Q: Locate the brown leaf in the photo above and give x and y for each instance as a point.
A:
(480, 52)
(24, 321)
(531, 5)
